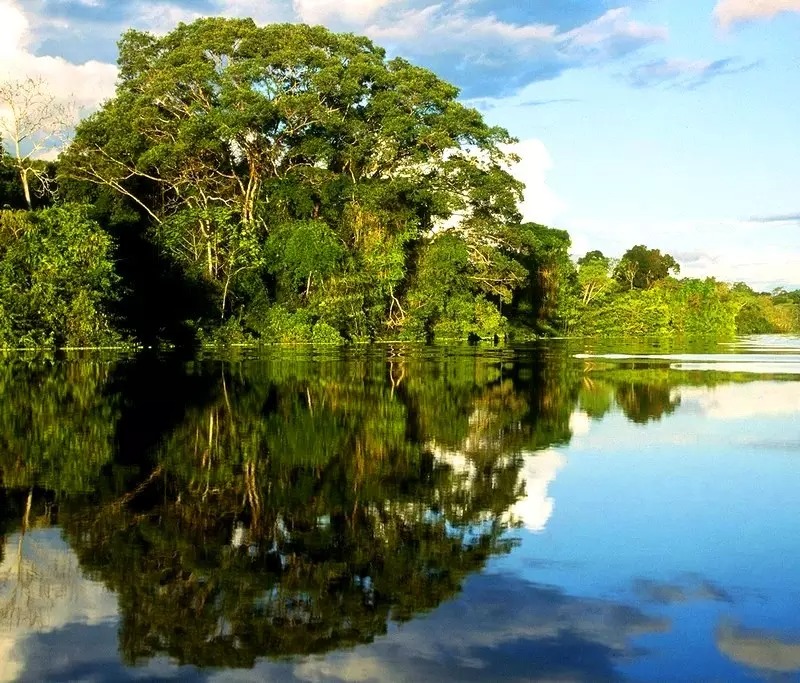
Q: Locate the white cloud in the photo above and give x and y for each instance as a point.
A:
(539, 470)
(436, 28)
(161, 17)
(612, 33)
(743, 401)
(15, 30)
(729, 12)
(351, 11)
(541, 204)
(261, 11)
(85, 84)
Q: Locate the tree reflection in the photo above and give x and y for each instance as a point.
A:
(642, 402)
(57, 423)
(287, 506)
(305, 505)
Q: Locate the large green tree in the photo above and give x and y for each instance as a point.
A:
(223, 133)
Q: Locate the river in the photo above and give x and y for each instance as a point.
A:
(565, 511)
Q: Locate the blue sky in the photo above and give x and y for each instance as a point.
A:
(664, 122)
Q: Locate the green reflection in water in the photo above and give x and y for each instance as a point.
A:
(291, 505)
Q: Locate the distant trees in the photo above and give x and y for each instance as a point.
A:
(33, 123)
(640, 267)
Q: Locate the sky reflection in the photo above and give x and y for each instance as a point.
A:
(656, 543)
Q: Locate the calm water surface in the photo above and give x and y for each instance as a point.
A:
(575, 512)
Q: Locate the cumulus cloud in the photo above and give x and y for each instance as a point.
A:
(15, 30)
(322, 11)
(729, 12)
(85, 84)
(684, 74)
(482, 48)
(541, 204)
(486, 55)
(161, 17)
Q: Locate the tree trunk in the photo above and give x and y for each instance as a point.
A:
(23, 176)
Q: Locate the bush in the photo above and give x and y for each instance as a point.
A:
(57, 279)
(326, 334)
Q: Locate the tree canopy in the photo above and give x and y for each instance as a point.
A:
(285, 183)
(292, 164)
(640, 267)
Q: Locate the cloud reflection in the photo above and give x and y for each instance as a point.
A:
(503, 629)
(743, 401)
(539, 469)
(42, 589)
(692, 589)
(758, 649)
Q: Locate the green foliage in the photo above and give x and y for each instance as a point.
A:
(325, 334)
(594, 277)
(686, 307)
(765, 313)
(640, 267)
(449, 296)
(303, 251)
(286, 327)
(57, 279)
(11, 193)
(56, 423)
(308, 159)
(546, 302)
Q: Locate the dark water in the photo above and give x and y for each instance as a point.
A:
(561, 512)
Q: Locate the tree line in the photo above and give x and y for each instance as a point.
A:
(284, 183)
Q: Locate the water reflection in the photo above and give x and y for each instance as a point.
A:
(288, 507)
(766, 652)
(219, 513)
(43, 590)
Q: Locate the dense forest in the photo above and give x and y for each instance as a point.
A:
(283, 183)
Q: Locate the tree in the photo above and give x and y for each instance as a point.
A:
(594, 276)
(288, 127)
(595, 256)
(640, 267)
(11, 193)
(57, 279)
(545, 298)
(33, 123)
